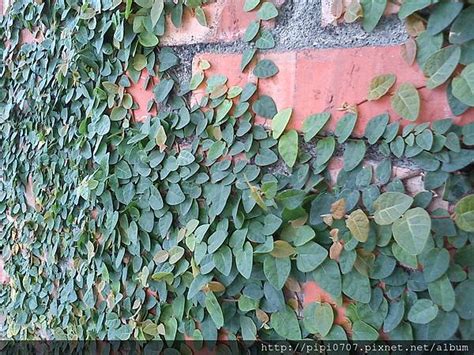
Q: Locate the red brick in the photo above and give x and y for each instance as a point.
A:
(227, 22)
(142, 95)
(317, 80)
(4, 277)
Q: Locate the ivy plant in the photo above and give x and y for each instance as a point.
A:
(195, 221)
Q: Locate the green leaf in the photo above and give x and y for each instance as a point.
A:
(280, 121)
(442, 293)
(200, 16)
(122, 170)
(406, 102)
(412, 230)
(356, 286)
(310, 256)
(215, 240)
(422, 312)
(267, 11)
(176, 253)
(277, 270)
(214, 309)
(324, 150)
(440, 65)
(354, 153)
(410, 6)
(380, 85)
(222, 110)
(251, 5)
(425, 139)
(390, 206)
(328, 277)
(291, 199)
(265, 69)
(373, 11)
(163, 89)
(345, 126)
(148, 39)
(457, 107)
(286, 324)
(265, 106)
(288, 147)
(185, 157)
(464, 213)
(361, 331)
(196, 80)
(139, 62)
(244, 260)
(452, 142)
(427, 45)
(251, 31)
(464, 292)
(463, 85)
(216, 150)
(397, 147)
(395, 315)
(442, 15)
(435, 264)
(318, 318)
(223, 260)
(313, 124)
(468, 134)
(123, 332)
(118, 114)
(461, 29)
(247, 56)
(175, 195)
(376, 127)
(265, 40)
(156, 11)
(248, 328)
(358, 224)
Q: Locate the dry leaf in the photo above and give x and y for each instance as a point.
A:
(414, 25)
(335, 250)
(409, 51)
(353, 12)
(215, 286)
(293, 303)
(282, 249)
(327, 219)
(337, 8)
(338, 209)
(364, 261)
(292, 285)
(299, 222)
(262, 316)
(334, 233)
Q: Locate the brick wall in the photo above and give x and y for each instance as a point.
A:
(313, 78)
(320, 68)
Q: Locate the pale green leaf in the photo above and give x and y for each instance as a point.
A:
(406, 102)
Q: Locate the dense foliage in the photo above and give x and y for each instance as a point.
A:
(188, 222)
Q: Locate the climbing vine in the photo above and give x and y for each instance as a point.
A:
(441, 42)
(188, 223)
